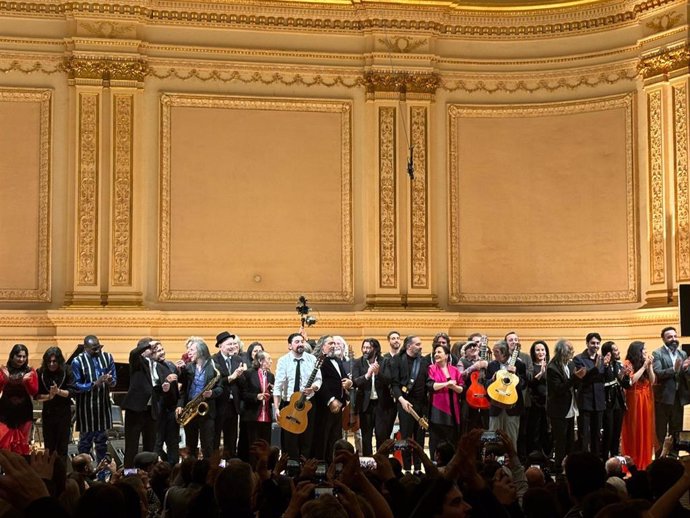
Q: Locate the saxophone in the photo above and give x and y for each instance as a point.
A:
(197, 406)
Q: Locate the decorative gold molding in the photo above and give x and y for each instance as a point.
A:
(535, 82)
(657, 216)
(402, 44)
(388, 222)
(401, 82)
(344, 108)
(456, 296)
(123, 138)
(419, 206)
(664, 22)
(42, 291)
(447, 18)
(87, 188)
(108, 30)
(106, 69)
(665, 61)
(680, 148)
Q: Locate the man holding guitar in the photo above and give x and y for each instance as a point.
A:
(475, 412)
(502, 416)
(292, 373)
(410, 371)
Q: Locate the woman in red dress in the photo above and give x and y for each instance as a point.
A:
(638, 435)
(19, 384)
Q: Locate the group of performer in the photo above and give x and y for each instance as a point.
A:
(534, 397)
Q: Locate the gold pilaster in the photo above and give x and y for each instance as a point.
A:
(682, 181)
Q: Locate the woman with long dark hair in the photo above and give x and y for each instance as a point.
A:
(638, 435)
(256, 389)
(18, 383)
(537, 422)
(55, 389)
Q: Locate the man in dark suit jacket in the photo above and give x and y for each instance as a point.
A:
(671, 368)
(200, 382)
(140, 410)
(591, 395)
(166, 393)
(329, 400)
(371, 390)
(231, 367)
(506, 419)
(410, 370)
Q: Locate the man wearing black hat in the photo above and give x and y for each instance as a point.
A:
(231, 367)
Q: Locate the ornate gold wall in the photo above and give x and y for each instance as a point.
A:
(174, 168)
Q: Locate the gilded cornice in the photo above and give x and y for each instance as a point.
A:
(401, 82)
(106, 69)
(442, 18)
(665, 61)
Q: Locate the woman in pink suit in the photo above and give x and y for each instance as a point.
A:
(18, 384)
(638, 435)
(445, 384)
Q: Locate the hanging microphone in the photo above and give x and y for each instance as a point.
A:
(410, 164)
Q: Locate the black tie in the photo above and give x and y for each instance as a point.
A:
(297, 374)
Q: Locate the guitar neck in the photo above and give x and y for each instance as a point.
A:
(312, 376)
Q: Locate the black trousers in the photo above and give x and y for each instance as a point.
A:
(168, 432)
(439, 433)
(538, 438)
(329, 429)
(668, 420)
(201, 428)
(227, 421)
(589, 430)
(384, 420)
(56, 431)
(473, 418)
(563, 431)
(611, 437)
(410, 428)
(138, 424)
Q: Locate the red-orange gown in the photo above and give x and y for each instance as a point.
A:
(638, 437)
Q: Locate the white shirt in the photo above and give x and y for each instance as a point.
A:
(285, 374)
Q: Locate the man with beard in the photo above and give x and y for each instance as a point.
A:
(330, 400)
(365, 375)
(94, 376)
(512, 339)
(292, 373)
(591, 397)
(410, 373)
(471, 362)
(671, 389)
(387, 406)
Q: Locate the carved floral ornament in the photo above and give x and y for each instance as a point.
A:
(106, 69)
(402, 82)
(665, 61)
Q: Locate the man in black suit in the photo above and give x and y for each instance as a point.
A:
(167, 393)
(388, 407)
(500, 418)
(329, 400)
(231, 367)
(370, 391)
(591, 396)
(409, 373)
(140, 410)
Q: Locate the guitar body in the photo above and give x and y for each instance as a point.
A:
(350, 419)
(293, 418)
(476, 395)
(503, 391)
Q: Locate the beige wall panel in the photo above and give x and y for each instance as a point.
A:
(542, 204)
(259, 201)
(24, 176)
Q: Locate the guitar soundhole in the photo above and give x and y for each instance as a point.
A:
(299, 406)
(506, 381)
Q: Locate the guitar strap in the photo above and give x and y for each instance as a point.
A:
(413, 376)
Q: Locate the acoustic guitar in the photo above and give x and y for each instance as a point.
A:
(476, 395)
(293, 417)
(503, 391)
